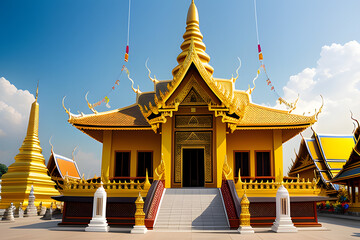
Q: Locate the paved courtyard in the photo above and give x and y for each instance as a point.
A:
(34, 228)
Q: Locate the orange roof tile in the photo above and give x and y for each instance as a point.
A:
(126, 117)
(256, 116)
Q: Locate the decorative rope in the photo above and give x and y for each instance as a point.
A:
(262, 65)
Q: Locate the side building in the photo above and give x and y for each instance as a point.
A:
(350, 175)
(322, 157)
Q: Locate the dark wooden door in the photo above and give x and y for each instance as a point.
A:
(193, 167)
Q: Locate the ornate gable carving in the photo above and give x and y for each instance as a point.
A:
(193, 98)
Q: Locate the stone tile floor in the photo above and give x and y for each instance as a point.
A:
(34, 228)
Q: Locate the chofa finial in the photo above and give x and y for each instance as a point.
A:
(52, 147)
(154, 80)
(91, 107)
(237, 70)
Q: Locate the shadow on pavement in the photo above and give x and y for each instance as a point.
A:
(41, 225)
(343, 222)
(356, 234)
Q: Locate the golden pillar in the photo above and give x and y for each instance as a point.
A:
(166, 136)
(278, 155)
(220, 149)
(29, 169)
(106, 170)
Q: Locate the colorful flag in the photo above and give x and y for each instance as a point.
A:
(126, 70)
(107, 102)
(259, 48)
(127, 53)
(261, 56)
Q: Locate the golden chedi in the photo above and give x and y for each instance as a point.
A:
(28, 169)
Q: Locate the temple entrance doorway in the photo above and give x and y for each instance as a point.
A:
(193, 167)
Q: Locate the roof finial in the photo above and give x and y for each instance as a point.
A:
(154, 80)
(137, 91)
(52, 147)
(193, 33)
(192, 15)
(237, 71)
(352, 117)
(37, 91)
(91, 107)
(72, 154)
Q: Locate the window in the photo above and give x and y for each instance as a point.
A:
(122, 164)
(242, 162)
(144, 162)
(263, 165)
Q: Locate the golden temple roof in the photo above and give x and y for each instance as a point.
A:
(327, 154)
(194, 72)
(351, 169)
(126, 117)
(260, 116)
(60, 166)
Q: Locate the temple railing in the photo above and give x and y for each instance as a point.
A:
(261, 188)
(113, 187)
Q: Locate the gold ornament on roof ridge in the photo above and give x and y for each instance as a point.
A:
(89, 104)
(154, 80)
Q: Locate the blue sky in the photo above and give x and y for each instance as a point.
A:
(73, 47)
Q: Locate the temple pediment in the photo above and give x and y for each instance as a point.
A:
(193, 98)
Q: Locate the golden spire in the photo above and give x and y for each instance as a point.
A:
(193, 33)
(28, 169)
(37, 91)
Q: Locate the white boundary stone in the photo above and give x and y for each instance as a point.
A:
(283, 223)
(98, 222)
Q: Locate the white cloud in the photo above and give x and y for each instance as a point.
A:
(88, 162)
(14, 109)
(336, 77)
(14, 114)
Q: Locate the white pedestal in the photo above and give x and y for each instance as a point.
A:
(97, 225)
(283, 226)
(139, 229)
(245, 230)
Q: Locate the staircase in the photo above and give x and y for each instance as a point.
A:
(192, 209)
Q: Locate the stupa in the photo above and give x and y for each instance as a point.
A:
(28, 169)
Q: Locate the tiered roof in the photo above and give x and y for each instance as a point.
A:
(61, 167)
(351, 169)
(325, 153)
(219, 95)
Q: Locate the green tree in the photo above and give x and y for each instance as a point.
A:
(3, 169)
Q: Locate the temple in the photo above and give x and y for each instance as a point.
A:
(322, 157)
(193, 130)
(349, 175)
(28, 170)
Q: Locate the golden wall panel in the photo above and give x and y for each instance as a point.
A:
(188, 121)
